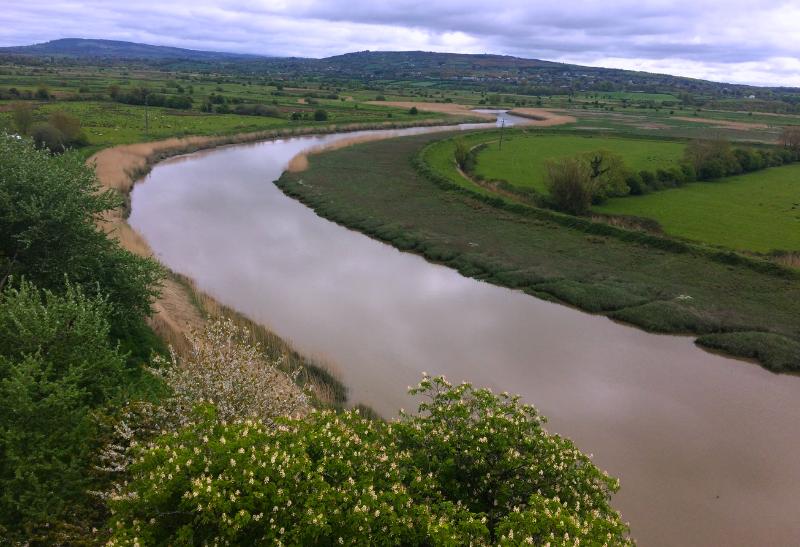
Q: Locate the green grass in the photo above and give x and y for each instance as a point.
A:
(441, 157)
(521, 161)
(107, 123)
(628, 96)
(755, 212)
(675, 288)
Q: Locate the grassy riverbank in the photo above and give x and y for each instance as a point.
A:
(744, 307)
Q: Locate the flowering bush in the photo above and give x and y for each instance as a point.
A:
(492, 454)
(224, 369)
(327, 478)
(221, 368)
(470, 468)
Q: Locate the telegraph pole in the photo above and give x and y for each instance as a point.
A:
(502, 127)
(146, 125)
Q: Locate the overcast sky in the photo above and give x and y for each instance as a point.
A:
(754, 41)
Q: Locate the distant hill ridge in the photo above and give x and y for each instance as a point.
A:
(548, 76)
(118, 49)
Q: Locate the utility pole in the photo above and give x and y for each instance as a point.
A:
(502, 127)
(146, 125)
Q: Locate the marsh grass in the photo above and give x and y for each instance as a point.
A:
(775, 352)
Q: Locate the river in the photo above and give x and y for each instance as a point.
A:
(707, 448)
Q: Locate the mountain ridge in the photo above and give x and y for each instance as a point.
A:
(392, 65)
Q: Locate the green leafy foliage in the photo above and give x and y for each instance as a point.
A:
(57, 370)
(469, 468)
(569, 184)
(50, 208)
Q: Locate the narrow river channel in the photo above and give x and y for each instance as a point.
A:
(707, 448)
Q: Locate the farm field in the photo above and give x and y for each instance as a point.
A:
(108, 123)
(754, 212)
(521, 160)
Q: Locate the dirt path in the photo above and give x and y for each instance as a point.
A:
(725, 124)
(543, 118)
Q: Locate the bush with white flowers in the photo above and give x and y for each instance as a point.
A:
(470, 467)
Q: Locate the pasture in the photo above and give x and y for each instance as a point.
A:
(521, 160)
(754, 212)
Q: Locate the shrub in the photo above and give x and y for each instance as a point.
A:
(470, 467)
(180, 102)
(58, 371)
(648, 179)
(413, 111)
(70, 128)
(569, 185)
(677, 175)
(50, 207)
(712, 159)
(22, 116)
(257, 110)
(320, 115)
(461, 154)
(689, 173)
(751, 160)
(47, 137)
(223, 369)
(636, 187)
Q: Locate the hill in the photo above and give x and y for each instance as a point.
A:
(503, 71)
(115, 49)
(494, 73)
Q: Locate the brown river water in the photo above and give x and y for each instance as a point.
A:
(707, 448)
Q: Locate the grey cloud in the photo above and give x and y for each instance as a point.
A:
(725, 37)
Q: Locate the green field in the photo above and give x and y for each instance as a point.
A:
(755, 212)
(521, 161)
(629, 96)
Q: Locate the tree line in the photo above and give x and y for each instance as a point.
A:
(575, 184)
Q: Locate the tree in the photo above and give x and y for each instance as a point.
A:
(50, 208)
(413, 111)
(569, 185)
(22, 116)
(461, 154)
(320, 115)
(58, 369)
(790, 138)
(607, 173)
(711, 159)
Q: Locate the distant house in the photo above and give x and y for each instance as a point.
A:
(751, 96)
